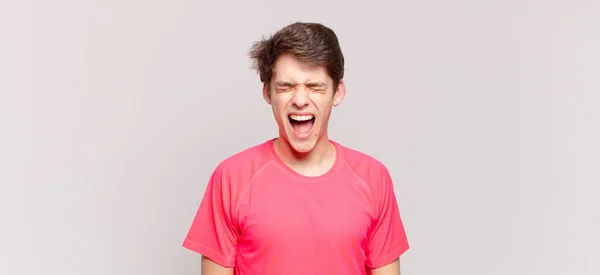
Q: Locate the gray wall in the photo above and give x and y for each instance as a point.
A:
(114, 113)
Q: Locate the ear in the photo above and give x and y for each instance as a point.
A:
(339, 94)
(266, 94)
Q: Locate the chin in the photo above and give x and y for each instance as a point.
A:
(304, 146)
(301, 145)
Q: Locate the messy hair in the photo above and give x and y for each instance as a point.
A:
(311, 43)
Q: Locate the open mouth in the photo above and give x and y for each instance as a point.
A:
(302, 124)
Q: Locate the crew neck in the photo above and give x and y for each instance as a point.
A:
(291, 172)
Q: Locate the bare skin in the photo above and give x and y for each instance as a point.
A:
(211, 268)
(390, 269)
(296, 88)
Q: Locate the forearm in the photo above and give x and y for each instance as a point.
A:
(211, 268)
(390, 269)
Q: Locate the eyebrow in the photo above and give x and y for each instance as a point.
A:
(316, 84)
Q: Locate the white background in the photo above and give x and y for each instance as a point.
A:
(114, 113)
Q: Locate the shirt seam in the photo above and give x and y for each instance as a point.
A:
(398, 248)
(247, 189)
(225, 258)
(373, 207)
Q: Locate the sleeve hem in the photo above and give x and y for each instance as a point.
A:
(209, 253)
(389, 258)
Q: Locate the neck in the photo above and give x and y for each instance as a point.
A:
(314, 163)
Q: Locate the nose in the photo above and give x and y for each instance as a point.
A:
(300, 97)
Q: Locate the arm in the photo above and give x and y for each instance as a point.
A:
(211, 268)
(214, 233)
(390, 269)
(387, 239)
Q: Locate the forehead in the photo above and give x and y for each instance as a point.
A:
(288, 68)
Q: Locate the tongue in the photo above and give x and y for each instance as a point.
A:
(302, 127)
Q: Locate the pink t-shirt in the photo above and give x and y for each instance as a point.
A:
(261, 217)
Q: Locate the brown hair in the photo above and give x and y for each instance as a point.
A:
(311, 43)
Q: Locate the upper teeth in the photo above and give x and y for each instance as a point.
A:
(301, 118)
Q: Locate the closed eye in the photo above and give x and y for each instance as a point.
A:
(285, 86)
(318, 87)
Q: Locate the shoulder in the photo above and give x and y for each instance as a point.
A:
(239, 168)
(365, 166)
(372, 173)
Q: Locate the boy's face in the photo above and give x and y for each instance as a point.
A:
(301, 98)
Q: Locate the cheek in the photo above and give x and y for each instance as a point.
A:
(325, 109)
(325, 115)
(278, 111)
(278, 103)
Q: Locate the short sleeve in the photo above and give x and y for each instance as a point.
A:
(387, 237)
(213, 232)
